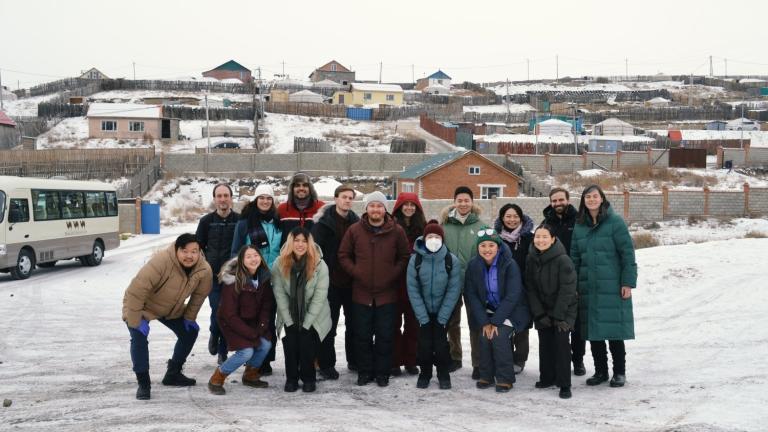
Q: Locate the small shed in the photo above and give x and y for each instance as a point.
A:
(9, 133)
(716, 125)
(613, 126)
(554, 127)
(306, 96)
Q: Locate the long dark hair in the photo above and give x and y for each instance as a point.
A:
(242, 275)
(254, 216)
(583, 215)
(417, 223)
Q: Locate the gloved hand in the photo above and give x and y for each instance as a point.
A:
(143, 327)
(190, 325)
(544, 322)
(562, 326)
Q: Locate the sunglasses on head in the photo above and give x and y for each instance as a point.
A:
(488, 231)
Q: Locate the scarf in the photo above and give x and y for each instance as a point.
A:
(511, 236)
(301, 203)
(298, 286)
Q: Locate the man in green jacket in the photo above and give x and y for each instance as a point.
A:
(461, 222)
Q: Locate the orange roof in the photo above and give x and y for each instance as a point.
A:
(675, 135)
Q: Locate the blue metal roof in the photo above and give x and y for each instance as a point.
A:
(439, 75)
(428, 165)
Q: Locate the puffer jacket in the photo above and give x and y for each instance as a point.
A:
(461, 238)
(242, 237)
(550, 281)
(438, 292)
(214, 234)
(520, 248)
(161, 288)
(244, 317)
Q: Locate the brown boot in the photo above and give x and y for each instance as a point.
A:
(251, 378)
(216, 383)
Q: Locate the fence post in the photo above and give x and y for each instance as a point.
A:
(626, 204)
(720, 157)
(137, 229)
(746, 199)
(546, 163)
(618, 160)
(649, 150)
(664, 202)
(584, 160)
(706, 201)
(747, 145)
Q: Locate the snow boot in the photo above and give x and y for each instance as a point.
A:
(251, 378)
(579, 369)
(423, 381)
(216, 383)
(173, 376)
(329, 373)
(145, 386)
(565, 392)
(213, 344)
(618, 380)
(597, 379)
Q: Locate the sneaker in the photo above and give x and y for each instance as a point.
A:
(579, 369)
(543, 385)
(412, 370)
(309, 387)
(519, 368)
(445, 383)
(475, 373)
(455, 365)
(423, 382)
(363, 379)
(618, 380)
(503, 388)
(291, 386)
(382, 381)
(395, 371)
(565, 392)
(597, 379)
(483, 384)
(329, 373)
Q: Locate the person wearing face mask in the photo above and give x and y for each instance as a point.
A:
(409, 215)
(550, 282)
(434, 288)
(515, 229)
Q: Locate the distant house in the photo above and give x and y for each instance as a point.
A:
(333, 71)
(554, 127)
(716, 125)
(230, 70)
(657, 102)
(370, 94)
(130, 122)
(613, 126)
(9, 133)
(93, 73)
(438, 78)
(742, 124)
(438, 176)
(306, 96)
(438, 89)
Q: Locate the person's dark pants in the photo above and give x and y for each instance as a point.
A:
(338, 298)
(300, 350)
(433, 350)
(373, 332)
(554, 357)
(578, 344)
(600, 356)
(406, 336)
(214, 297)
(273, 331)
(497, 357)
(140, 346)
(522, 346)
(454, 336)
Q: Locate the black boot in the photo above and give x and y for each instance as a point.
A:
(597, 379)
(579, 369)
(213, 344)
(174, 377)
(142, 393)
(266, 369)
(423, 381)
(565, 392)
(618, 380)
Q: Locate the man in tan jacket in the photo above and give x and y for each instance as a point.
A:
(159, 291)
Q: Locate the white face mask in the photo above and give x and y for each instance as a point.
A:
(433, 244)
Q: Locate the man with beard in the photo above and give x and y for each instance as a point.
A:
(561, 216)
(159, 291)
(301, 206)
(374, 251)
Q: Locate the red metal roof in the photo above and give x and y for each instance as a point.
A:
(6, 121)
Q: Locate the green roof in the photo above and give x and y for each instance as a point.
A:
(431, 164)
(231, 66)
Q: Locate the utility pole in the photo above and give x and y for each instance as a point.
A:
(575, 131)
(381, 66)
(626, 69)
(711, 71)
(283, 73)
(726, 68)
(207, 123)
(1, 89)
(413, 75)
(741, 120)
(528, 68)
(557, 68)
(256, 140)
(507, 100)
(134, 71)
(690, 97)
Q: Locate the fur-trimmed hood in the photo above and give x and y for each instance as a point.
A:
(449, 213)
(227, 275)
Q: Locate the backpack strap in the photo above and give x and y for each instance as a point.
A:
(417, 264)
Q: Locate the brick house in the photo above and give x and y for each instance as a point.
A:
(230, 69)
(131, 122)
(438, 176)
(333, 71)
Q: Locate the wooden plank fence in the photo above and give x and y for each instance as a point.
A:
(315, 145)
(75, 164)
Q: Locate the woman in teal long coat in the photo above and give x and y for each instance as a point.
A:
(604, 257)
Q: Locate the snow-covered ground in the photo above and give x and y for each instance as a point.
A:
(696, 365)
(344, 134)
(136, 96)
(25, 107)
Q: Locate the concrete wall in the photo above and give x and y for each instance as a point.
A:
(660, 158)
(532, 163)
(685, 203)
(633, 159)
(617, 202)
(730, 203)
(758, 200)
(646, 207)
(565, 164)
(735, 155)
(606, 160)
(758, 156)
(127, 216)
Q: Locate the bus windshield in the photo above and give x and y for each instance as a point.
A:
(2, 206)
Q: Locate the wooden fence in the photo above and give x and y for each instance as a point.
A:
(315, 145)
(214, 114)
(306, 109)
(400, 145)
(75, 164)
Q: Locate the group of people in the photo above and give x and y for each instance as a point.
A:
(402, 281)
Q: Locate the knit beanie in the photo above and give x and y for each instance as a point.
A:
(488, 234)
(433, 227)
(265, 189)
(375, 197)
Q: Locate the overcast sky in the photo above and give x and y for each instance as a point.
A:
(470, 40)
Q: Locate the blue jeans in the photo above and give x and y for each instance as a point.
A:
(140, 345)
(214, 297)
(250, 356)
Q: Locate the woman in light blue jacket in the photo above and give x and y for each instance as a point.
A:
(259, 225)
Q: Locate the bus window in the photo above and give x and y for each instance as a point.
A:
(94, 204)
(45, 204)
(2, 206)
(18, 211)
(72, 204)
(111, 203)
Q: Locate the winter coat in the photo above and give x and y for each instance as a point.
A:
(325, 235)
(550, 282)
(604, 258)
(513, 306)
(244, 318)
(438, 292)
(375, 260)
(461, 239)
(242, 237)
(563, 227)
(520, 248)
(412, 234)
(214, 234)
(317, 313)
(162, 286)
(291, 217)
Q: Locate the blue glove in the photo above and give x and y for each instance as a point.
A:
(143, 327)
(190, 325)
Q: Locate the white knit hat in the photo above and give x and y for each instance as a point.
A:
(265, 189)
(375, 197)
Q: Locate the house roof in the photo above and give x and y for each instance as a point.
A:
(613, 122)
(554, 122)
(125, 110)
(93, 69)
(439, 75)
(440, 160)
(327, 67)
(231, 66)
(328, 83)
(377, 87)
(5, 120)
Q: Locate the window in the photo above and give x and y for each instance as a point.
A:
(94, 204)
(439, 81)
(109, 125)
(111, 204)
(72, 204)
(474, 170)
(408, 187)
(18, 211)
(390, 97)
(136, 126)
(45, 205)
(491, 191)
(333, 68)
(367, 96)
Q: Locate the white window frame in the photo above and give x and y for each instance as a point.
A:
(475, 168)
(408, 187)
(484, 190)
(390, 97)
(132, 126)
(105, 122)
(333, 68)
(367, 96)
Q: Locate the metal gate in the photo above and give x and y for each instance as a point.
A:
(687, 158)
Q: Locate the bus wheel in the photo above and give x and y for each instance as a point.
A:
(24, 265)
(96, 255)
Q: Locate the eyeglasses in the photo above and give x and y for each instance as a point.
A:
(488, 231)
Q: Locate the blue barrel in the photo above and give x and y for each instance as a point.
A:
(150, 218)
